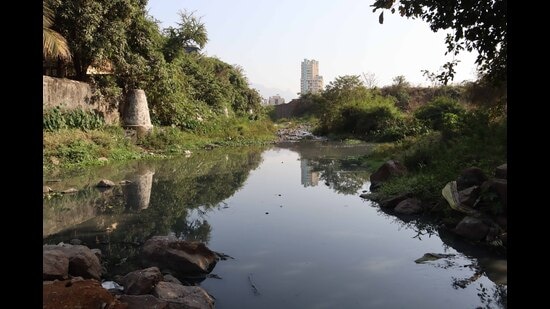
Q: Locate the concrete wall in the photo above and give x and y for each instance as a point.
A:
(294, 108)
(70, 94)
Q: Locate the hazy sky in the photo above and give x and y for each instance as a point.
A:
(270, 38)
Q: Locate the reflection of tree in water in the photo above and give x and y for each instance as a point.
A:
(178, 187)
(339, 176)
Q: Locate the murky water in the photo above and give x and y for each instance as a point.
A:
(290, 216)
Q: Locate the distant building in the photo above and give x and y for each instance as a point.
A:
(309, 178)
(310, 80)
(276, 100)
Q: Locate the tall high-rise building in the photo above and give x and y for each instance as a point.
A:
(310, 81)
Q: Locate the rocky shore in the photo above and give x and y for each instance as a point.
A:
(73, 277)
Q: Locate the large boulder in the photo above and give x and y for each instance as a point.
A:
(409, 206)
(55, 265)
(472, 228)
(394, 201)
(178, 256)
(143, 302)
(82, 261)
(502, 171)
(469, 177)
(499, 187)
(184, 297)
(469, 195)
(78, 294)
(105, 183)
(141, 282)
(388, 170)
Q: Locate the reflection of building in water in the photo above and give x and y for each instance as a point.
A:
(309, 177)
(138, 193)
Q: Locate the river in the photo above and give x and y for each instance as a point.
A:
(291, 217)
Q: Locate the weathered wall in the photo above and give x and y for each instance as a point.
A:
(294, 108)
(70, 94)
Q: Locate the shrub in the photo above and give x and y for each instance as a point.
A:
(55, 119)
(436, 114)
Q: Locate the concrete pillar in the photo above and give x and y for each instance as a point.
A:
(138, 193)
(136, 114)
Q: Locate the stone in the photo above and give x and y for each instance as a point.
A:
(469, 195)
(170, 278)
(502, 171)
(46, 189)
(105, 183)
(500, 187)
(143, 302)
(69, 191)
(394, 201)
(180, 296)
(472, 228)
(388, 170)
(142, 281)
(75, 242)
(136, 112)
(82, 261)
(97, 252)
(409, 206)
(103, 159)
(179, 256)
(470, 177)
(78, 294)
(55, 265)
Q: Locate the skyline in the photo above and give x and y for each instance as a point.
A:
(270, 39)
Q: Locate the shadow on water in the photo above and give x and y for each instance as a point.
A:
(150, 198)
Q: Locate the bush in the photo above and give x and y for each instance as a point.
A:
(439, 112)
(55, 119)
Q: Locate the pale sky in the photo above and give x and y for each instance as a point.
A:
(270, 38)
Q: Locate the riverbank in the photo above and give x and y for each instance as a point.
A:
(75, 148)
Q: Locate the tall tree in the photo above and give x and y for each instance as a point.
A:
(54, 44)
(190, 30)
(479, 25)
(95, 29)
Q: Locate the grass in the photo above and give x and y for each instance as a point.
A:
(74, 148)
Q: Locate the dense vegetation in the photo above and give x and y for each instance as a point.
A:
(193, 99)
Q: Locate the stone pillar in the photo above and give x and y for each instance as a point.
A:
(136, 113)
(138, 193)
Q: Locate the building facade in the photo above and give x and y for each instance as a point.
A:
(276, 100)
(310, 80)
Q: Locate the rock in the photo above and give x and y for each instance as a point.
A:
(82, 261)
(500, 187)
(75, 242)
(55, 265)
(102, 159)
(179, 256)
(502, 171)
(97, 253)
(170, 278)
(180, 296)
(472, 228)
(79, 294)
(105, 183)
(469, 196)
(496, 270)
(54, 160)
(450, 193)
(365, 195)
(143, 302)
(125, 182)
(46, 189)
(69, 191)
(394, 201)
(432, 257)
(141, 282)
(389, 169)
(469, 177)
(409, 206)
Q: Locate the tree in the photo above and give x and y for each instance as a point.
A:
(190, 30)
(54, 44)
(370, 80)
(479, 25)
(95, 29)
(344, 87)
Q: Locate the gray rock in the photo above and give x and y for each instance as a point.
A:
(105, 183)
(75, 242)
(141, 282)
(82, 261)
(469, 177)
(102, 159)
(392, 202)
(143, 302)
(427, 257)
(180, 296)
(500, 187)
(502, 171)
(170, 278)
(69, 191)
(472, 228)
(409, 206)
(469, 195)
(179, 256)
(55, 265)
(388, 170)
